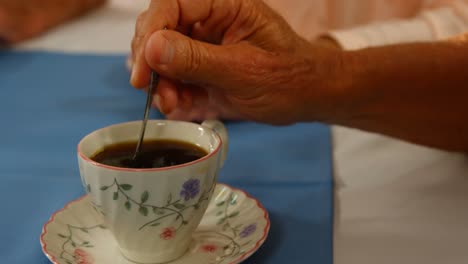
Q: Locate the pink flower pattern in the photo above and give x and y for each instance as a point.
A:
(168, 233)
(209, 248)
(83, 257)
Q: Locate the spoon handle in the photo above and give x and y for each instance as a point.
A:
(149, 98)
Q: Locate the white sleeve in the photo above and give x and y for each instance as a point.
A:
(430, 25)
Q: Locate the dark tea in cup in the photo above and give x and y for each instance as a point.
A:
(156, 153)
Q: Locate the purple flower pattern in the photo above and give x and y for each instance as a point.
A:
(248, 230)
(190, 189)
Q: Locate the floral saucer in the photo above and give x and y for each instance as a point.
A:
(234, 226)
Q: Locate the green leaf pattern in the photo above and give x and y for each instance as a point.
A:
(126, 187)
(173, 209)
(71, 243)
(128, 205)
(228, 231)
(144, 197)
(143, 210)
(232, 249)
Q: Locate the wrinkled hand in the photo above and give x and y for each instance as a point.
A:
(231, 59)
(24, 19)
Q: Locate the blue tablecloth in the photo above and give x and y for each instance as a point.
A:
(48, 102)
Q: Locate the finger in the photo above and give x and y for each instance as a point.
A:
(181, 58)
(196, 114)
(160, 14)
(135, 40)
(170, 14)
(179, 114)
(140, 71)
(129, 63)
(167, 96)
(173, 95)
(188, 97)
(191, 96)
(185, 99)
(212, 30)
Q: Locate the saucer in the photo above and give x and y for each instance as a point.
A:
(234, 226)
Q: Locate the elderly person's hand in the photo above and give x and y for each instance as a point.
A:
(241, 60)
(23, 19)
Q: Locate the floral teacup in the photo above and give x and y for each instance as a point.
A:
(152, 213)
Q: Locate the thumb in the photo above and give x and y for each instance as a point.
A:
(176, 56)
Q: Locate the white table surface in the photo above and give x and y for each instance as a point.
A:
(394, 202)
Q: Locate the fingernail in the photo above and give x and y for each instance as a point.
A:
(157, 102)
(166, 48)
(129, 63)
(133, 77)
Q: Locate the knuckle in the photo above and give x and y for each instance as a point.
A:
(135, 45)
(139, 34)
(139, 25)
(141, 18)
(194, 58)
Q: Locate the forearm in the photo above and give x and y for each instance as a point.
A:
(448, 20)
(416, 92)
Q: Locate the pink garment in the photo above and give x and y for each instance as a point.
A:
(400, 20)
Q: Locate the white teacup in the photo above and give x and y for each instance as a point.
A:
(152, 213)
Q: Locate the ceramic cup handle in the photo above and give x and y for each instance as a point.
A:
(221, 130)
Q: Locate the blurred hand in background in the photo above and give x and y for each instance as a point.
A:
(24, 19)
